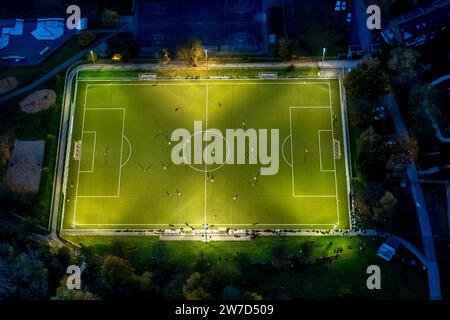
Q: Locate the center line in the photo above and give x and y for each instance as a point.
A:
(206, 128)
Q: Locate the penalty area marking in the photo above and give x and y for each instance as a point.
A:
(292, 155)
(120, 161)
(282, 151)
(131, 150)
(320, 152)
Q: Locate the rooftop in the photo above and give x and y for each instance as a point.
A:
(28, 42)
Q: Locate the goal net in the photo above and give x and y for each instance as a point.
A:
(337, 149)
(268, 75)
(77, 150)
(147, 76)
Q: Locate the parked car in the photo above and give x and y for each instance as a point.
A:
(338, 6)
(349, 17)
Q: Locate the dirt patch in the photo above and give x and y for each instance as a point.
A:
(6, 142)
(8, 84)
(38, 101)
(25, 167)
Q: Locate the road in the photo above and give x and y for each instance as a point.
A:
(422, 212)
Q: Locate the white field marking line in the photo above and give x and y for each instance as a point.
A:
(81, 152)
(315, 196)
(311, 107)
(320, 151)
(195, 224)
(292, 152)
(131, 149)
(282, 150)
(140, 83)
(334, 160)
(347, 159)
(189, 84)
(93, 152)
(121, 151)
(206, 126)
(98, 197)
(315, 80)
(65, 172)
(93, 109)
(292, 157)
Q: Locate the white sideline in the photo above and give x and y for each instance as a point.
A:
(206, 120)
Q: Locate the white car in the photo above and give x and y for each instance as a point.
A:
(338, 6)
(349, 17)
(344, 5)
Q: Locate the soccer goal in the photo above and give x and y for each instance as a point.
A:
(337, 149)
(268, 75)
(147, 76)
(77, 150)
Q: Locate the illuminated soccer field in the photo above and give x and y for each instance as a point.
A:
(120, 170)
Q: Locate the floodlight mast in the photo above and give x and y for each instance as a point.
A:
(324, 51)
(206, 57)
(334, 230)
(92, 56)
(323, 56)
(76, 233)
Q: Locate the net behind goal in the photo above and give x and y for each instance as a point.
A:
(268, 75)
(337, 149)
(147, 76)
(77, 150)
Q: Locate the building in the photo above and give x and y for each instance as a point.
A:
(28, 42)
(388, 248)
(417, 27)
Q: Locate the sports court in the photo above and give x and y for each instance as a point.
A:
(230, 25)
(120, 173)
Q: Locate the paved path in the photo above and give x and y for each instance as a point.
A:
(440, 80)
(422, 213)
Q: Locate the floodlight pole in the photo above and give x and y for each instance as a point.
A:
(92, 56)
(206, 56)
(76, 233)
(323, 56)
(334, 229)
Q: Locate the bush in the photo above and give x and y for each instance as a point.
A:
(86, 37)
(110, 18)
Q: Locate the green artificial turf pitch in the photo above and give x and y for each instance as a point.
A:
(125, 179)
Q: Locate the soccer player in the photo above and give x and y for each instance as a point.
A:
(105, 154)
